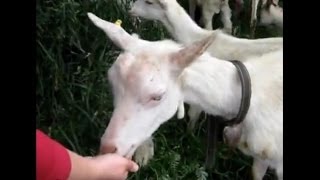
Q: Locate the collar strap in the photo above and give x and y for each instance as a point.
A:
(215, 123)
(246, 93)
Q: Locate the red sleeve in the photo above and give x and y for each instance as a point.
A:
(53, 161)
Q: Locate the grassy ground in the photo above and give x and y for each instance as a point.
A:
(74, 101)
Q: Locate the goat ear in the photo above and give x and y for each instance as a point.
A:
(117, 34)
(188, 54)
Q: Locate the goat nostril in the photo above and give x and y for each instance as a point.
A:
(108, 149)
(114, 150)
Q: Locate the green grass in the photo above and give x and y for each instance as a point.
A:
(74, 100)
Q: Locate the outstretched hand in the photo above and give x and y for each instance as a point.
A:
(113, 166)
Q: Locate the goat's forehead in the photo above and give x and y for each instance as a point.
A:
(144, 60)
(134, 68)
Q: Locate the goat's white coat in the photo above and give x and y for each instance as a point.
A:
(211, 7)
(209, 83)
(183, 29)
(272, 15)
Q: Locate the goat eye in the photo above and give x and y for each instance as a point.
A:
(156, 98)
(149, 2)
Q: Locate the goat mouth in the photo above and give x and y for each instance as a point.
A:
(131, 13)
(130, 152)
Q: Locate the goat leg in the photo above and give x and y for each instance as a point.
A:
(253, 22)
(194, 114)
(226, 17)
(259, 168)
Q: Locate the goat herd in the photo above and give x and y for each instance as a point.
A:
(151, 80)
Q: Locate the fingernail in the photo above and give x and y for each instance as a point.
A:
(135, 167)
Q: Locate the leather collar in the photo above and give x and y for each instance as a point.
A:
(214, 124)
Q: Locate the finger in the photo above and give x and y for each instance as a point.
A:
(130, 157)
(132, 166)
(125, 175)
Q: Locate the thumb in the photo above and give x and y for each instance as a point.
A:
(132, 166)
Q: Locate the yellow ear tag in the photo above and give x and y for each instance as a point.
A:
(118, 22)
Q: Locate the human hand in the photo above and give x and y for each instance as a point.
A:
(112, 167)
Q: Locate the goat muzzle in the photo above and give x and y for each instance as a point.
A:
(107, 148)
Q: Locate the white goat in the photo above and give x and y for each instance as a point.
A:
(150, 79)
(271, 13)
(211, 7)
(183, 29)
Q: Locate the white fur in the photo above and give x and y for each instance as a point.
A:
(183, 29)
(209, 8)
(273, 15)
(161, 68)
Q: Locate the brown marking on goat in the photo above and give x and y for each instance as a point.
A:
(264, 154)
(244, 145)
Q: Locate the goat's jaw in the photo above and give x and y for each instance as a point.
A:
(132, 13)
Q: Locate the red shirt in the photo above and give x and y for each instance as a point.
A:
(53, 161)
